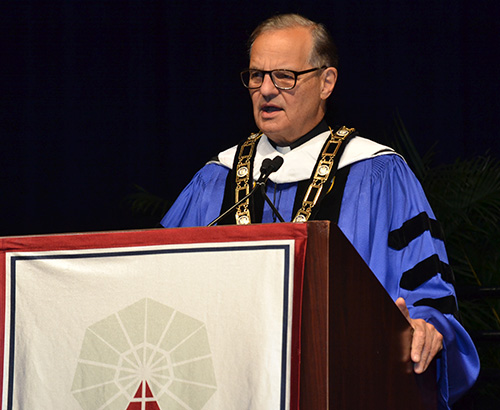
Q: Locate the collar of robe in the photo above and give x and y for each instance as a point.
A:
(298, 163)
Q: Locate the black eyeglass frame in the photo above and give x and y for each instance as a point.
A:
(270, 72)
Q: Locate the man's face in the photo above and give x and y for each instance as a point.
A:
(286, 115)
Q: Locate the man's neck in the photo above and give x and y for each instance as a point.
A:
(318, 129)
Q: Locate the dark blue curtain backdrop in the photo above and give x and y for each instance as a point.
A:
(97, 96)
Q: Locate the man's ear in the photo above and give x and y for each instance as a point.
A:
(329, 80)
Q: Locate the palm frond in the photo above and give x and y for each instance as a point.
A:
(469, 189)
(143, 202)
(402, 143)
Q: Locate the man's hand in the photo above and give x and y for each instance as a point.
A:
(427, 342)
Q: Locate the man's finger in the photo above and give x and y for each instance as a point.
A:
(418, 341)
(401, 304)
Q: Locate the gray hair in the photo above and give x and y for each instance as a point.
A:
(324, 51)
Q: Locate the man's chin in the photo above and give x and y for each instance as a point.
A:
(270, 127)
(275, 131)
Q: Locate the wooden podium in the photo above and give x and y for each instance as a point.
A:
(354, 343)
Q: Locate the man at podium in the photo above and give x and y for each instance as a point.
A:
(331, 173)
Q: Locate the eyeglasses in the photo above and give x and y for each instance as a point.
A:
(282, 79)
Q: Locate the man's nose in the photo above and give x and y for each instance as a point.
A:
(268, 86)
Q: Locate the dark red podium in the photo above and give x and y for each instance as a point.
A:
(348, 341)
(355, 342)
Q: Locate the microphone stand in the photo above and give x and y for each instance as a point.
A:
(234, 206)
(270, 203)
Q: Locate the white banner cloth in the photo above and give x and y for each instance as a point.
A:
(199, 326)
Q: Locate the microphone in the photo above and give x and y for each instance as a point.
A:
(267, 168)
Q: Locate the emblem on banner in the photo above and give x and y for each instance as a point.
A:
(146, 356)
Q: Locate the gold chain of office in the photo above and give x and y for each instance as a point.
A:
(321, 175)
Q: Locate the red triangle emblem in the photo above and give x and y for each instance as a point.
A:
(148, 391)
(143, 396)
(138, 394)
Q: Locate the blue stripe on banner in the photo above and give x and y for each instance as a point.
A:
(285, 329)
(10, 390)
(286, 284)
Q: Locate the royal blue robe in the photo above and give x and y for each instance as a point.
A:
(380, 195)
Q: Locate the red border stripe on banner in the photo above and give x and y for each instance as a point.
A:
(100, 240)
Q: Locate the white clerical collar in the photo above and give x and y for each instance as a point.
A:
(298, 163)
(283, 150)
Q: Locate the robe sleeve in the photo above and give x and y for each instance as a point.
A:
(388, 219)
(200, 202)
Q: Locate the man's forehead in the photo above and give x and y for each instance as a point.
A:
(283, 46)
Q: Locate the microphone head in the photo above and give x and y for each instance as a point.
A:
(268, 167)
(277, 162)
(265, 165)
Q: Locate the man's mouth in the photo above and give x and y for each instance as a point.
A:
(270, 108)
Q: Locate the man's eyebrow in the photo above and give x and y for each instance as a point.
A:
(260, 69)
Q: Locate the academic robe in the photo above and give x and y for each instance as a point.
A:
(385, 215)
